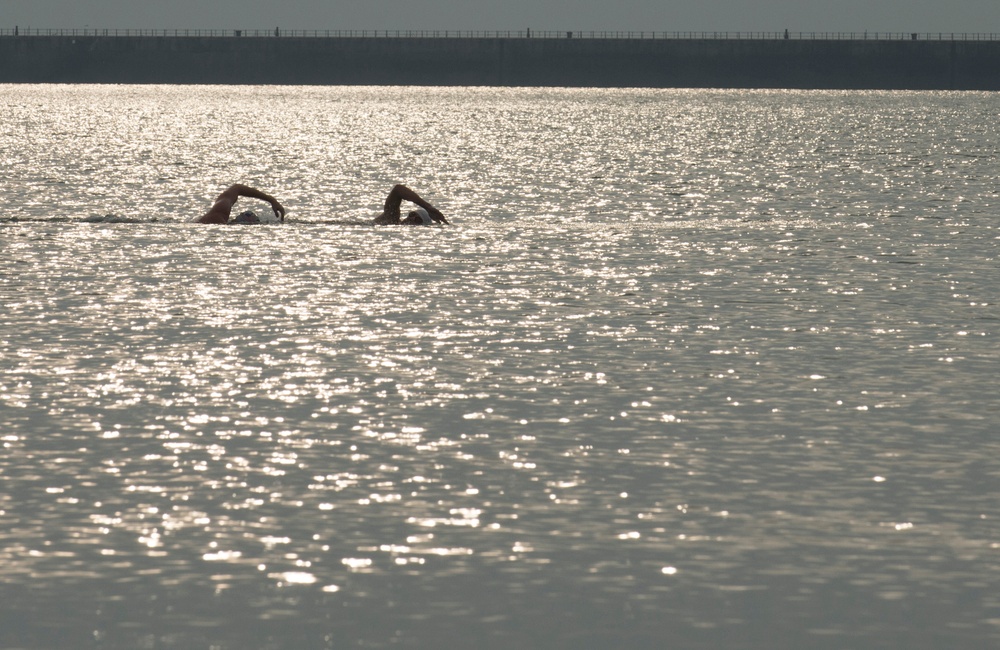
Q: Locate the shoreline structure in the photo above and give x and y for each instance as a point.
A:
(876, 61)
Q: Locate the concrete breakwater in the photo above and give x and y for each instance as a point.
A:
(496, 61)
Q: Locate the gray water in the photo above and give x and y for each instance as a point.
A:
(690, 369)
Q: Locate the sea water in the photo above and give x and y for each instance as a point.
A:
(689, 369)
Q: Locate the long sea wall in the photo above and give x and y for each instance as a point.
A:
(502, 61)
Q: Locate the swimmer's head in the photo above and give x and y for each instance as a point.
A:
(418, 217)
(246, 217)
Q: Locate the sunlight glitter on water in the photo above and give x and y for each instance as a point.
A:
(706, 353)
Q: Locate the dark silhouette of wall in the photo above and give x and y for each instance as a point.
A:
(617, 62)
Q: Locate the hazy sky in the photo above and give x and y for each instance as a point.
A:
(968, 16)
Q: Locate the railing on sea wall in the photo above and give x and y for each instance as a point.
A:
(527, 33)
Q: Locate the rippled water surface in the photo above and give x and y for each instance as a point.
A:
(690, 369)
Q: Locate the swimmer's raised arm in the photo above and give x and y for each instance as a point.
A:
(223, 206)
(397, 195)
(253, 193)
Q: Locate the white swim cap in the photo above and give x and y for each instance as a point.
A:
(424, 217)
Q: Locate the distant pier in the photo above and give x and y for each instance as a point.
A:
(630, 59)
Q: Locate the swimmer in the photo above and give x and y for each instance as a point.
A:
(425, 214)
(223, 206)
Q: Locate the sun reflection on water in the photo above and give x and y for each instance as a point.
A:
(652, 367)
